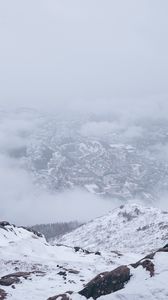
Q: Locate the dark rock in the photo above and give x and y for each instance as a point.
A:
(77, 249)
(107, 283)
(72, 271)
(25, 275)
(3, 295)
(14, 278)
(69, 292)
(4, 223)
(62, 273)
(164, 249)
(9, 281)
(38, 234)
(146, 264)
(149, 266)
(143, 228)
(13, 287)
(117, 253)
(150, 256)
(60, 297)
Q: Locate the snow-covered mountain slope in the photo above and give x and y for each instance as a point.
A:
(40, 270)
(129, 228)
(12, 234)
(30, 268)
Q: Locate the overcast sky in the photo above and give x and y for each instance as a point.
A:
(83, 52)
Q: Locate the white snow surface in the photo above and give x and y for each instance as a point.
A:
(21, 250)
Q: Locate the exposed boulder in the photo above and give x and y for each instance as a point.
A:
(14, 278)
(72, 271)
(65, 296)
(107, 283)
(9, 281)
(62, 273)
(146, 264)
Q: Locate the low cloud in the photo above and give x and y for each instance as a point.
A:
(133, 132)
(100, 129)
(22, 202)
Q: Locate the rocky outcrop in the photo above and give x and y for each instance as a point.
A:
(3, 224)
(79, 249)
(65, 296)
(15, 278)
(37, 233)
(8, 281)
(107, 283)
(147, 262)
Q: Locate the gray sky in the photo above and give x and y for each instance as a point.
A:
(82, 53)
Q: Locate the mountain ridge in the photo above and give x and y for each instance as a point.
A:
(127, 228)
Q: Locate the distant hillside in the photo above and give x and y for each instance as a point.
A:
(55, 230)
(104, 156)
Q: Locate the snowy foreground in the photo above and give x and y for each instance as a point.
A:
(30, 268)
